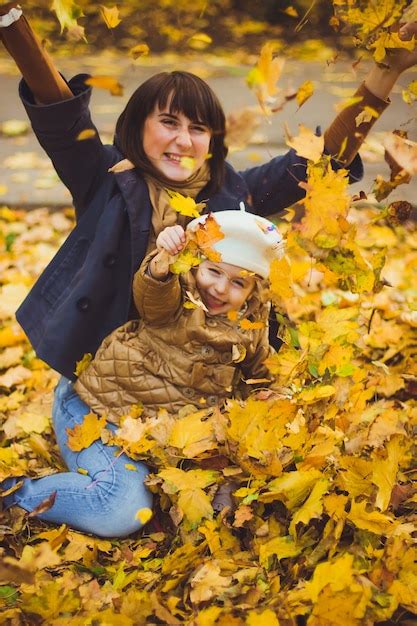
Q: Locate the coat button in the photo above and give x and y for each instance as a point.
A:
(207, 351)
(83, 304)
(189, 392)
(225, 357)
(109, 260)
(212, 400)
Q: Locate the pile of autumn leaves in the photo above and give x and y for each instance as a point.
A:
(321, 531)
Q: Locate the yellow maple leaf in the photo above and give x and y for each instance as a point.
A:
(372, 521)
(384, 472)
(82, 365)
(106, 82)
(312, 507)
(326, 203)
(292, 488)
(304, 92)
(280, 278)
(307, 144)
(281, 547)
(338, 574)
(208, 582)
(264, 76)
(386, 41)
(355, 476)
(84, 434)
(185, 205)
(184, 262)
(68, 12)
(176, 479)
(195, 504)
(141, 49)
(110, 16)
(193, 434)
(267, 617)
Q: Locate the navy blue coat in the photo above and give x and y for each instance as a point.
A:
(85, 291)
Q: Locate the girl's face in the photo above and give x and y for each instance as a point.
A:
(169, 137)
(223, 287)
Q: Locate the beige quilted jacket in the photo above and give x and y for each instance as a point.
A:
(173, 356)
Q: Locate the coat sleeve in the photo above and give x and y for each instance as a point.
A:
(157, 302)
(78, 163)
(273, 186)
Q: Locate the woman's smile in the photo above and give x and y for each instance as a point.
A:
(176, 145)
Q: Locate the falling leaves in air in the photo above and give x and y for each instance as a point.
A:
(68, 13)
(264, 76)
(306, 144)
(141, 49)
(106, 82)
(110, 16)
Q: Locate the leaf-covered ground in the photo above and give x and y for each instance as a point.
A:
(322, 527)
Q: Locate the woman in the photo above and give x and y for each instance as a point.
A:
(85, 292)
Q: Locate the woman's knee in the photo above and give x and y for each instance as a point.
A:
(121, 518)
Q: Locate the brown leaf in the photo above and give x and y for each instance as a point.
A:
(44, 506)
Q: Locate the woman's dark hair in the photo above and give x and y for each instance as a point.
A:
(187, 94)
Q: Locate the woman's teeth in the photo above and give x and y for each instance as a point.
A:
(173, 157)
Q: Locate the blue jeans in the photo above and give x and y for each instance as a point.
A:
(105, 501)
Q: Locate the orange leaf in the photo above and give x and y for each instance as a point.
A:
(248, 325)
(208, 233)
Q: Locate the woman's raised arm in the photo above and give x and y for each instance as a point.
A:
(344, 136)
(34, 63)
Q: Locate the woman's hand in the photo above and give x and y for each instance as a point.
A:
(403, 59)
(383, 77)
(171, 239)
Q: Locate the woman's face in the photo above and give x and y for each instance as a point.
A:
(175, 145)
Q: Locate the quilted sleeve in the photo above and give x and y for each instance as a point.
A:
(157, 301)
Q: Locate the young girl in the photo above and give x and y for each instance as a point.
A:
(171, 357)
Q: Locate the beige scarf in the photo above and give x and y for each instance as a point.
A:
(163, 214)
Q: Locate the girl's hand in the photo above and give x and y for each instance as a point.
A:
(171, 239)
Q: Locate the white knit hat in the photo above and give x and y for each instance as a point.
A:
(250, 241)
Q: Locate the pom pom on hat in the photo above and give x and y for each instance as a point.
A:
(250, 241)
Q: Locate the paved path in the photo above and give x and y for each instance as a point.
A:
(27, 177)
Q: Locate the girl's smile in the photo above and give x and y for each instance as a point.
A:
(176, 145)
(222, 286)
